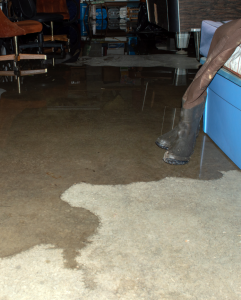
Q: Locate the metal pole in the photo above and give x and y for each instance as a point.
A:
(144, 97)
(202, 155)
(15, 39)
(19, 85)
(197, 38)
(163, 119)
(174, 118)
(15, 42)
(52, 30)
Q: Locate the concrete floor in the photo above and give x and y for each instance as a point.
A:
(74, 126)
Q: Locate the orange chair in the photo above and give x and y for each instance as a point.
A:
(9, 29)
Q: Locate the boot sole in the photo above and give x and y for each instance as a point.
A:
(160, 146)
(174, 161)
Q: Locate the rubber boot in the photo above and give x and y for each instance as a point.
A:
(182, 147)
(166, 140)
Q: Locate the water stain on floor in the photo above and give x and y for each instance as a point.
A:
(65, 135)
(48, 221)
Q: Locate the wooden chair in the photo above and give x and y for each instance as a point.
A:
(56, 7)
(26, 10)
(9, 29)
(53, 6)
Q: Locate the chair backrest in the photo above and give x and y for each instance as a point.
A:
(24, 8)
(8, 28)
(53, 6)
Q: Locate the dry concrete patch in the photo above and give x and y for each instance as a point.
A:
(157, 60)
(171, 239)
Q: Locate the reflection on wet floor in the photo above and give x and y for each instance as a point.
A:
(104, 119)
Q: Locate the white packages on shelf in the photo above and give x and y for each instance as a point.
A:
(234, 62)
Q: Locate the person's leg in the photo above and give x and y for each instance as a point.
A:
(181, 140)
(225, 40)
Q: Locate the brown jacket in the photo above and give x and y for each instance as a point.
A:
(225, 40)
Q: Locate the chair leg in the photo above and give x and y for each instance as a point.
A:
(40, 42)
(16, 51)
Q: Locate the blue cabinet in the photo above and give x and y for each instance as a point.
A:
(222, 115)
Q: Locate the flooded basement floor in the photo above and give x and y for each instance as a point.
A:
(99, 125)
(90, 125)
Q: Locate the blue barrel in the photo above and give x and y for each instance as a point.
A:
(83, 8)
(101, 13)
(132, 42)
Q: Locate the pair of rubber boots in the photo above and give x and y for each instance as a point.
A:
(181, 140)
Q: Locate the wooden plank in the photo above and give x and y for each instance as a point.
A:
(7, 57)
(32, 56)
(33, 72)
(6, 73)
(60, 37)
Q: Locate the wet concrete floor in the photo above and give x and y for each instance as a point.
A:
(85, 124)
